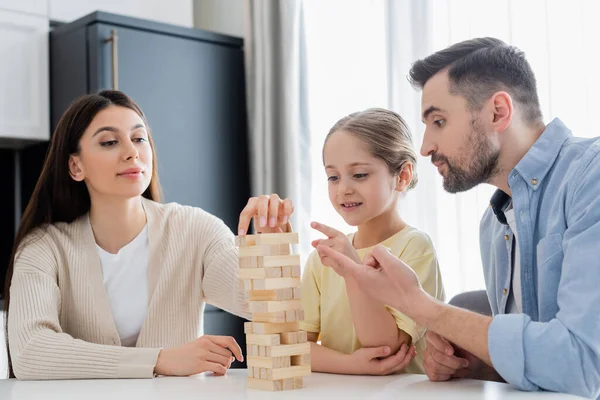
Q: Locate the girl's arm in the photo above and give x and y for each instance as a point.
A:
(365, 361)
(374, 324)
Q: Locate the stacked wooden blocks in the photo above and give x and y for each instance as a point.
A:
(277, 352)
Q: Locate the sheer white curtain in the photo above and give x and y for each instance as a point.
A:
(359, 53)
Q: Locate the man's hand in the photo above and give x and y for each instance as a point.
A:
(382, 275)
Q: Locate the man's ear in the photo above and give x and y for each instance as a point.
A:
(502, 109)
(76, 169)
(404, 177)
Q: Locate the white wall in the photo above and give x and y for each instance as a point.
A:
(223, 16)
(177, 12)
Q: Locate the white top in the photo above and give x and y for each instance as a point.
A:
(514, 304)
(125, 277)
(233, 387)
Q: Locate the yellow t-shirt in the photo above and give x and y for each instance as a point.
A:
(327, 307)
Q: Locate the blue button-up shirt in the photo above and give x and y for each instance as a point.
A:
(555, 343)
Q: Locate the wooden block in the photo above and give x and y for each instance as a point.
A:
(247, 327)
(247, 285)
(288, 338)
(248, 262)
(260, 273)
(264, 373)
(262, 351)
(246, 240)
(286, 272)
(278, 261)
(274, 283)
(276, 317)
(302, 336)
(303, 359)
(283, 249)
(285, 373)
(274, 306)
(299, 315)
(288, 384)
(265, 327)
(290, 315)
(287, 350)
(277, 238)
(296, 271)
(251, 350)
(254, 251)
(264, 339)
(271, 295)
(270, 362)
(296, 293)
(259, 384)
(298, 382)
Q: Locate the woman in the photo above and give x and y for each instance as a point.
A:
(106, 282)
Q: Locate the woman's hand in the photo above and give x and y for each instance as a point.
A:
(271, 212)
(335, 240)
(207, 353)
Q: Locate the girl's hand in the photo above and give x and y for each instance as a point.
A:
(207, 353)
(371, 361)
(336, 240)
(270, 213)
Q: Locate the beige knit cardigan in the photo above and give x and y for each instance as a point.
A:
(60, 324)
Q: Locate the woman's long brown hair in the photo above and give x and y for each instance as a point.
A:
(57, 197)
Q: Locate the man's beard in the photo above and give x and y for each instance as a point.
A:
(478, 154)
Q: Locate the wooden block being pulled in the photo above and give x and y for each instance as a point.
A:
(263, 339)
(302, 359)
(286, 373)
(260, 384)
(260, 273)
(288, 338)
(266, 327)
(276, 317)
(269, 362)
(296, 293)
(276, 238)
(278, 261)
(271, 295)
(287, 350)
(274, 306)
(275, 283)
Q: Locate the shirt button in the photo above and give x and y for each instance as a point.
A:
(534, 181)
(506, 237)
(505, 291)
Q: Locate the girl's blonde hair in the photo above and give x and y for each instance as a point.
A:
(386, 134)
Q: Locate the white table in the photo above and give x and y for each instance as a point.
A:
(233, 386)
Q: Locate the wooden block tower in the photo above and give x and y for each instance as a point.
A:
(277, 351)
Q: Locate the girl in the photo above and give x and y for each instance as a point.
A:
(106, 282)
(369, 161)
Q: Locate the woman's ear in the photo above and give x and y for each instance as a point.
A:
(76, 169)
(404, 177)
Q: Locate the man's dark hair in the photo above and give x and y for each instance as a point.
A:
(478, 68)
